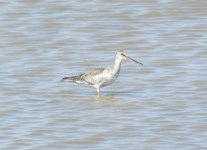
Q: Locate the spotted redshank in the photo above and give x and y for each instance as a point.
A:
(103, 76)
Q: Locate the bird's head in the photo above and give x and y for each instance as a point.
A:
(123, 56)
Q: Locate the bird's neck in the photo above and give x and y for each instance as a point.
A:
(117, 65)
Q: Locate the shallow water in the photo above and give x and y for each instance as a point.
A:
(161, 105)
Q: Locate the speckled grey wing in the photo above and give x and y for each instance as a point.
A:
(89, 78)
(93, 77)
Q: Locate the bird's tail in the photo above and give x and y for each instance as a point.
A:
(69, 79)
(76, 79)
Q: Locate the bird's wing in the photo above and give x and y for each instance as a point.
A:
(93, 77)
(88, 78)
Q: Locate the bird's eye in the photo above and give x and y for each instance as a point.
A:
(123, 54)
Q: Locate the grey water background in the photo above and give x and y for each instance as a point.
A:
(161, 105)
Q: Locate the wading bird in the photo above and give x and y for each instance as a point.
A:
(103, 76)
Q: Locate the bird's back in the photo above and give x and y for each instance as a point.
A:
(89, 78)
(94, 77)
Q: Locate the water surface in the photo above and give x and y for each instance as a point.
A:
(161, 105)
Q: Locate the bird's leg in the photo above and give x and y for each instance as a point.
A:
(98, 91)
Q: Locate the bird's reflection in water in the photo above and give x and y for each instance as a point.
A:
(108, 99)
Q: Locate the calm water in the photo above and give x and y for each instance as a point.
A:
(161, 105)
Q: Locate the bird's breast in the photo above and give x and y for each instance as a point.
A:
(109, 78)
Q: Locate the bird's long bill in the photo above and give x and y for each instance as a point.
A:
(134, 60)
